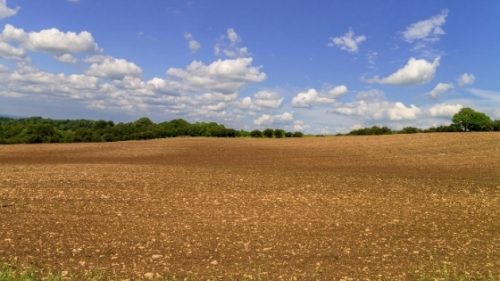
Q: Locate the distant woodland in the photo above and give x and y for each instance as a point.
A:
(466, 120)
(43, 130)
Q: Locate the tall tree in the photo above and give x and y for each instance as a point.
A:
(467, 119)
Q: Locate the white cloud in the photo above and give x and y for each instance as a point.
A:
(55, 41)
(264, 99)
(444, 109)
(267, 99)
(66, 58)
(349, 42)
(299, 125)
(307, 99)
(12, 33)
(466, 79)
(245, 103)
(6, 11)
(426, 30)
(192, 43)
(113, 68)
(27, 80)
(214, 107)
(61, 44)
(381, 110)
(310, 97)
(337, 92)
(10, 52)
(440, 89)
(269, 120)
(210, 98)
(229, 45)
(370, 95)
(221, 76)
(372, 104)
(416, 71)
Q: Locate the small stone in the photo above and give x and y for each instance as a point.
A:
(156, 257)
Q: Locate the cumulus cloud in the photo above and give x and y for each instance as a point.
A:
(348, 42)
(416, 71)
(267, 99)
(66, 58)
(466, 79)
(229, 45)
(440, 89)
(28, 80)
(337, 92)
(444, 109)
(62, 44)
(310, 97)
(200, 90)
(6, 11)
(55, 41)
(192, 43)
(426, 30)
(221, 76)
(278, 119)
(372, 104)
(261, 100)
(12, 33)
(114, 68)
(10, 52)
(307, 99)
(381, 110)
(299, 125)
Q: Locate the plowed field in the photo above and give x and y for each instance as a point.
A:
(352, 208)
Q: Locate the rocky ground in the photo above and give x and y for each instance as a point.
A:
(332, 208)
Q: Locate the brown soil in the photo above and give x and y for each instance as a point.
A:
(312, 208)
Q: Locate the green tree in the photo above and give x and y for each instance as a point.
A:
(496, 125)
(279, 133)
(256, 134)
(297, 134)
(268, 133)
(467, 119)
(143, 122)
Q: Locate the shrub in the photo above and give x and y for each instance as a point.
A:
(409, 130)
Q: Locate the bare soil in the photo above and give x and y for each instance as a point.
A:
(331, 208)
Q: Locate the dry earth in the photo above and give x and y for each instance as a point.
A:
(312, 208)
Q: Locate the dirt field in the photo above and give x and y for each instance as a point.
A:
(313, 208)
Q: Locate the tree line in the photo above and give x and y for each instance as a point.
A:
(466, 120)
(44, 130)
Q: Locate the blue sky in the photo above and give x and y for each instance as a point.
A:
(314, 66)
